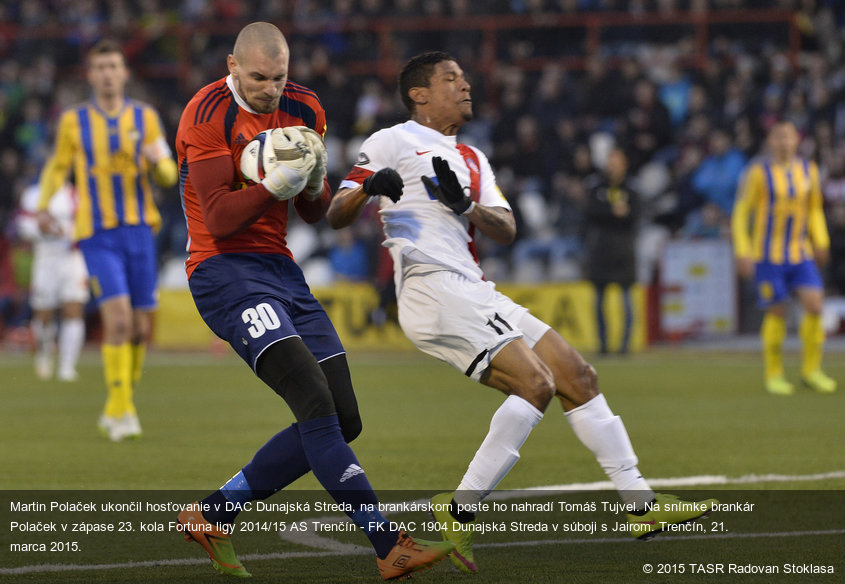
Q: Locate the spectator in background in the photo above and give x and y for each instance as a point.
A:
(340, 40)
(682, 196)
(649, 128)
(834, 192)
(350, 257)
(836, 270)
(611, 220)
(717, 177)
(674, 93)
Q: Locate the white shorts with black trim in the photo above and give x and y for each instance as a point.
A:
(463, 322)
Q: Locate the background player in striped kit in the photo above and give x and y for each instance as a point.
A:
(114, 145)
(779, 235)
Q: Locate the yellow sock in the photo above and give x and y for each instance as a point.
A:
(139, 353)
(117, 369)
(772, 335)
(811, 332)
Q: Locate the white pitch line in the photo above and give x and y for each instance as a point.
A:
(327, 543)
(656, 540)
(332, 547)
(694, 481)
(360, 550)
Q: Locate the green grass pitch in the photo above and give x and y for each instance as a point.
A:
(689, 414)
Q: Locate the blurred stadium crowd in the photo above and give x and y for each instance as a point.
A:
(689, 109)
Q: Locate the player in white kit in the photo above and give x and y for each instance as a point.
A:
(59, 283)
(434, 194)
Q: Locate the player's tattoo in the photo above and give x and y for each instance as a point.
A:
(494, 217)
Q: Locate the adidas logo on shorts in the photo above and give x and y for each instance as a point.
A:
(351, 471)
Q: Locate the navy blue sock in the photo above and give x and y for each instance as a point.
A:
(276, 464)
(335, 466)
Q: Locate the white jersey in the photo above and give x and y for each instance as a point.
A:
(419, 229)
(62, 208)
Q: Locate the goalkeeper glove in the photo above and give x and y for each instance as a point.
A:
(314, 186)
(287, 178)
(449, 191)
(385, 182)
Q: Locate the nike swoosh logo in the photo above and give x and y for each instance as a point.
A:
(423, 152)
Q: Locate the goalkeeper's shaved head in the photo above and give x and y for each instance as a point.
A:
(258, 66)
(263, 36)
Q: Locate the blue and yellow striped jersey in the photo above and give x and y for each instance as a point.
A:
(782, 206)
(111, 174)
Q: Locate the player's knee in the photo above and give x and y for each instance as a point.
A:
(141, 337)
(778, 310)
(117, 330)
(339, 379)
(350, 426)
(306, 392)
(814, 305)
(586, 382)
(290, 369)
(590, 378)
(540, 388)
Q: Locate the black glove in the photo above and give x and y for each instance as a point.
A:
(449, 191)
(385, 182)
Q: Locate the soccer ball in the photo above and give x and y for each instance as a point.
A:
(258, 157)
(270, 147)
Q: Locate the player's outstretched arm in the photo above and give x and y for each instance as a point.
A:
(346, 206)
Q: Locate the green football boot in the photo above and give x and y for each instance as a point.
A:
(462, 557)
(215, 541)
(667, 510)
(818, 381)
(779, 386)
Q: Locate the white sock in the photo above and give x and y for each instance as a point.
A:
(605, 435)
(509, 429)
(45, 337)
(71, 339)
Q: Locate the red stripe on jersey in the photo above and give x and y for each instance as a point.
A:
(473, 164)
(358, 174)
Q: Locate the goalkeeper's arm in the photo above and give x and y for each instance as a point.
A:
(227, 211)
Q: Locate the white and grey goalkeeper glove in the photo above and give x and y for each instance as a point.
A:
(295, 161)
(314, 187)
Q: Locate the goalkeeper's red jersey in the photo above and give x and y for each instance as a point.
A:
(215, 126)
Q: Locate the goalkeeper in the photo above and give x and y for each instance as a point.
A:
(250, 292)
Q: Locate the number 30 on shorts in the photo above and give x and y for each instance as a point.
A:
(261, 319)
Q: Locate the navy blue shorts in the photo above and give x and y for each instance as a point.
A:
(255, 300)
(122, 262)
